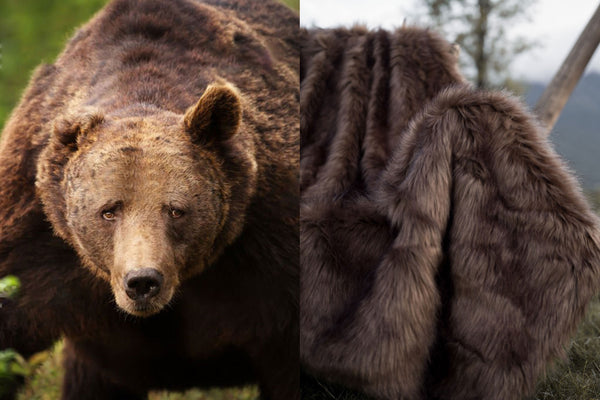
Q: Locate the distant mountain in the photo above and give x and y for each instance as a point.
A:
(576, 135)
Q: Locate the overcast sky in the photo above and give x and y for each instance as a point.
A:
(555, 24)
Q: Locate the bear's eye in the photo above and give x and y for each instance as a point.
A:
(108, 215)
(110, 210)
(175, 213)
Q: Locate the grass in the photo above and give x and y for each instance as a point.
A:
(578, 377)
(315, 389)
(44, 383)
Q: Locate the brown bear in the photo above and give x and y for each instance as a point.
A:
(149, 201)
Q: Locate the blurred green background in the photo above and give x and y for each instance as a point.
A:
(32, 32)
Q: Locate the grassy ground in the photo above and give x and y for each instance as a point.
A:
(578, 377)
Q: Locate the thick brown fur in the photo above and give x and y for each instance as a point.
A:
(445, 251)
(154, 108)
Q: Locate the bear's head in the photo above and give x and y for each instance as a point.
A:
(151, 199)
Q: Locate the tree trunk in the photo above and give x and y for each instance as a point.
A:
(557, 93)
(481, 33)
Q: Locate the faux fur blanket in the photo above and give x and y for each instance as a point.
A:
(446, 251)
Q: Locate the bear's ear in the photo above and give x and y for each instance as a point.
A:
(67, 130)
(216, 116)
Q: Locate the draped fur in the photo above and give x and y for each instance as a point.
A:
(446, 252)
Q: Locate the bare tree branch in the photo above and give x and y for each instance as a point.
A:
(557, 93)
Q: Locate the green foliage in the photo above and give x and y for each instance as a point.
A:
(9, 286)
(12, 365)
(480, 28)
(44, 377)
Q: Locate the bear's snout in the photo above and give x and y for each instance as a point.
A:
(143, 283)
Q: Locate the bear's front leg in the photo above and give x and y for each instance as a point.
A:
(30, 321)
(85, 381)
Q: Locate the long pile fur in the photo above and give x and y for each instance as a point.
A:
(446, 251)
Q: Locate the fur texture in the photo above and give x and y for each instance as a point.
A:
(165, 136)
(445, 251)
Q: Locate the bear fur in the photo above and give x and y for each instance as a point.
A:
(164, 138)
(446, 252)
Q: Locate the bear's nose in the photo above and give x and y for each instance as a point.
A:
(142, 283)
